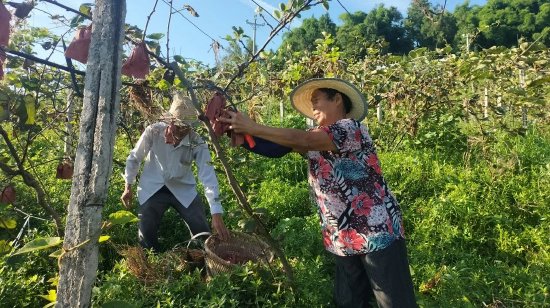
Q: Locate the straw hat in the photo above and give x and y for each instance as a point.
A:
(181, 112)
(301, 96)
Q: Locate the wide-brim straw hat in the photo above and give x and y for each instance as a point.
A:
(300, 97)
(181, 112)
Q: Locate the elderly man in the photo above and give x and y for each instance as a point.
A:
(169, 147)
(361, 221)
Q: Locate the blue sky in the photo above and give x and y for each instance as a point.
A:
(215, 21)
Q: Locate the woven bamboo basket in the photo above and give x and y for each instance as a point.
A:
(192, 258)
(223, 256)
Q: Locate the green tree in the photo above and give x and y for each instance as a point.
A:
(429, 26)
(503, 22)
(382, 26)
(467, 22)
(303, 37)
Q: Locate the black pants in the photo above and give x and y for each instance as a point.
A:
(382, 274)
(152, 211)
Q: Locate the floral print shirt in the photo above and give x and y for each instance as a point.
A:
(359, 214)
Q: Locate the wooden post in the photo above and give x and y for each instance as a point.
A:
(94, 156)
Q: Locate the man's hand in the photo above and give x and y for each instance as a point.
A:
(219, 226)
(126, 197)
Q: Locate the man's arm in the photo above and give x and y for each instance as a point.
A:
(133, 162)
(207, 176)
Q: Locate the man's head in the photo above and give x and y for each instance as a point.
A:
(181, 112)
(175, 133)
(328, 99)
(180, 118)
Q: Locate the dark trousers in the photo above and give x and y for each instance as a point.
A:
(152, 211)
(382, 275)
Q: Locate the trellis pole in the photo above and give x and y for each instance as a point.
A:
(379, 112)
(486, 104)
(94, 156)
(282, 110)
(522, 84)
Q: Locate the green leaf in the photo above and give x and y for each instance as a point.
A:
(54, 281)
(118, 304)
(418, 52)
(85, 9)
(122, 217)
(4, 247)
(39, 244)
(51, 296)
(4, 113)
(261, 211)
(247, 225)
(163, 85)
(179, 59)
(325, 5)
(538, 82)
(56, 254)
(277, 14)
(7, 223)
(103, 238)
(152, 44)
(155, 36)
(31, 109)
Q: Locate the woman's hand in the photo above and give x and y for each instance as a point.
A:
(238, 122)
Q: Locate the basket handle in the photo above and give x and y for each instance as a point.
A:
(195, 237)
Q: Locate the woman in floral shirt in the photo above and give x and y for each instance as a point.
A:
(360, 218)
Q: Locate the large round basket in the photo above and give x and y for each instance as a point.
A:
(223, 256)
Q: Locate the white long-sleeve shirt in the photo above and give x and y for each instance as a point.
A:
(171, 166)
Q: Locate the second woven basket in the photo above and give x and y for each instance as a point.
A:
(223, 256)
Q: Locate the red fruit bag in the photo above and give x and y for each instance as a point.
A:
(65, 170)
(137, 65)
(5, 18)
(8, 195)
(79, 47)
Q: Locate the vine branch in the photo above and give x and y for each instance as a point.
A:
(230, 176)
(149, 19)
(30, 181)
(168, 31)
(283, 23)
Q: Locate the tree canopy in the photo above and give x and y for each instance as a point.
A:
(497, 23)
